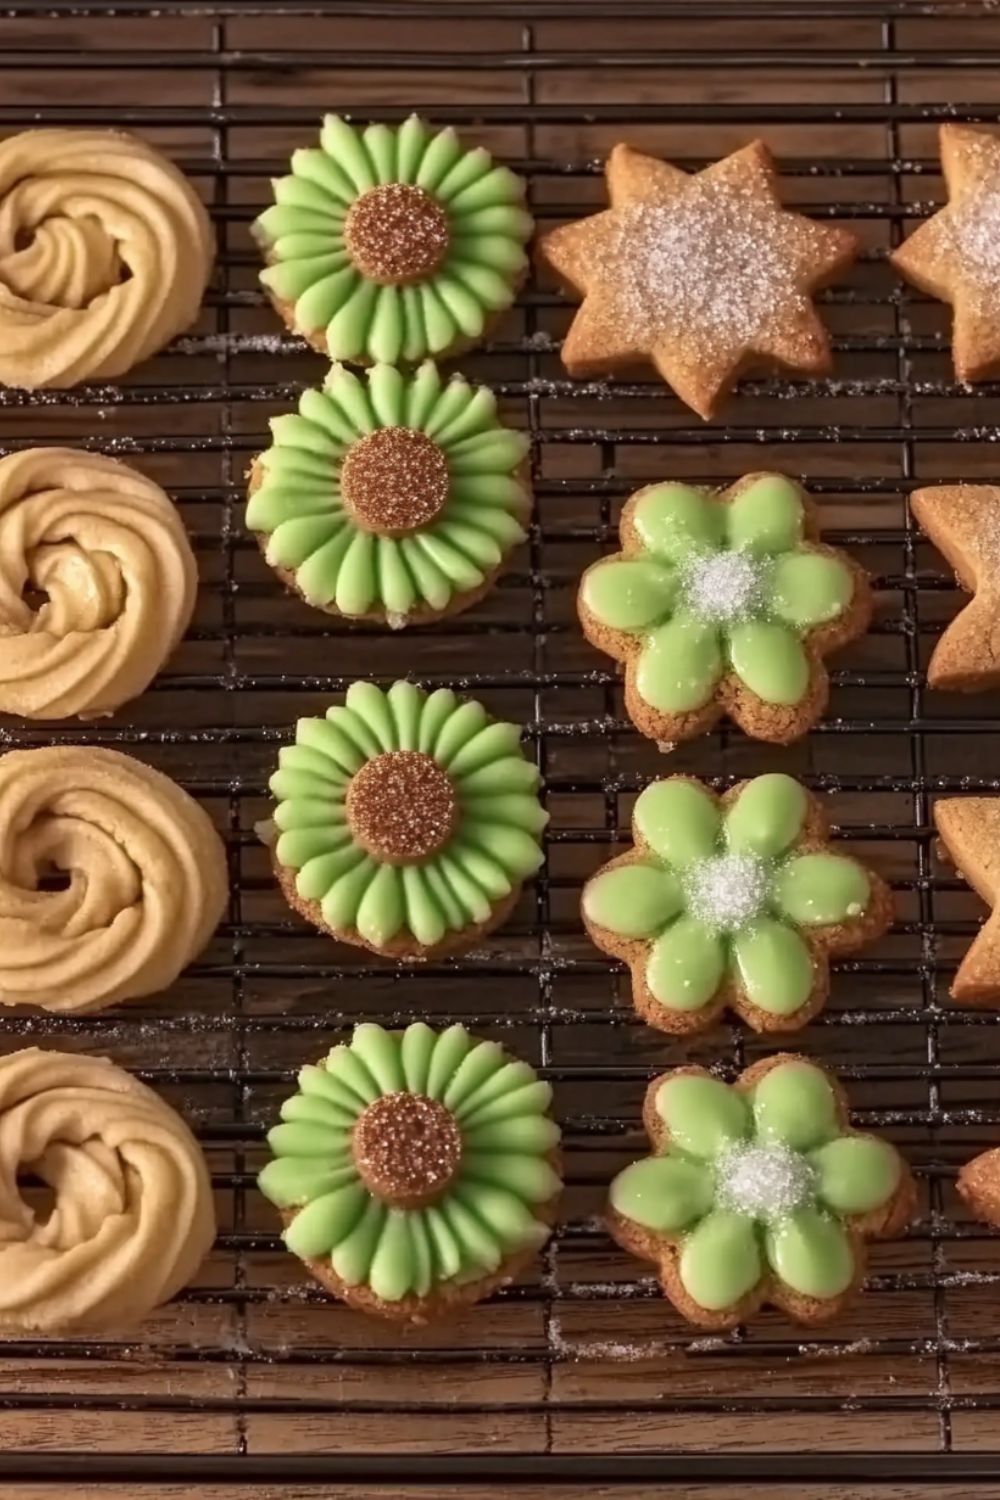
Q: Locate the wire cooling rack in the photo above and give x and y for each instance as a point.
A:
(579, 1373)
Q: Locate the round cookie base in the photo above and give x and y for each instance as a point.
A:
(421, 613)
(882, 1223)
(403, 945)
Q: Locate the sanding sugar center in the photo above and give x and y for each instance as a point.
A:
(724, 585)
(407, 1149)
(727, 891)
(767, 1182)
(396, 234)
(401, 807)
(394, 481)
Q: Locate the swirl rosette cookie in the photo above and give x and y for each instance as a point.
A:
(132, 1217)
(759, 1193)
(723, 604)
(407, 821)
(391, 244)
(415, 1171)
(105, 252)
(145, 878)
(737, 901)
(107, 550)
(392, 498)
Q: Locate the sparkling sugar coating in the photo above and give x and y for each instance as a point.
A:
(725, 585)
(396, 234)
(727, 891)
(765, 1182)
(394, 481)
(407, 1148)
(401, 807)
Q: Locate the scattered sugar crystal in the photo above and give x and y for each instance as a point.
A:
(724, 585)
(768, 1182)
(726, 892)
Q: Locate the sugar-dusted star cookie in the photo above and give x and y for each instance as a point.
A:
(705, 275)
(956, 254)
(969, 828)
(963, 522)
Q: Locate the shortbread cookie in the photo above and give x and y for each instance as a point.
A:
(954, 255)
(706, 276)
(408, 821)
(391, 498)
(735, 901)
(963, 522)
(759, 1193)
(108, 551)
(390, 244)
(723, 604)
(105, 252)
(146, 878)
(978, 1185)
(132, 1216)
(415, 1171)
(969, 828)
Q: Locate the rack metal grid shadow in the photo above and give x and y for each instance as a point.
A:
(579, 1373)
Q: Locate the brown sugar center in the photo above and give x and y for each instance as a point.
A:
(401, 807)
(396, 234)
(407, 1149)
(394, 481)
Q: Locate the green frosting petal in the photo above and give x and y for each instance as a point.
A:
(767, 816)
(856, 1173)
(768, 658)
(482, 1063)
(325, 1221)
(766, 517)
(664, 1193)
(680, 664)
(775, 966)
(701, 1114)
(528, 1177)
(452, 1045)
(809, 588)
(811, 1253)
(815, 890)
(686, 965)
(391, 1273)
(720, 1261)
(795, 1103)
(381, 912)
(289, 1181)
(679, 820)
(629, 594)
(416, 1050)
(380, 1052)
(633, 900)
(672, 520)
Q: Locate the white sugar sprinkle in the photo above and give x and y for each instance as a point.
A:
(972, 227)
(724, 585)
(727, 891)
(768, 1182)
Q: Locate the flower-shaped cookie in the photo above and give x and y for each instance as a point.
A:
(390, 244)
(415, 1170)
(408, 821)
(757, 1193)
(393, 498)
(723, 604)
(734, 901)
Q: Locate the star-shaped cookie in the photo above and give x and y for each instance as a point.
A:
(704, 274)
(955, 255)
(969, 828)
(963, 522)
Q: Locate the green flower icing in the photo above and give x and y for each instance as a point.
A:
(415, 1160)
(393, 243)
(716, 898)
(392, 495)
(757, 1182)
(712, 587)
(406, 815)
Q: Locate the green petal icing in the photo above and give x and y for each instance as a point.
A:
(298, 509)
(712, 588)
(733, 1189)
(488, 1210)
(720, 898)
(494, 844)
(304, 238)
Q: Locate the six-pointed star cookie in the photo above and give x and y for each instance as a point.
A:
(705, 275)
(963, 522)
(969, 828)
(956, 254)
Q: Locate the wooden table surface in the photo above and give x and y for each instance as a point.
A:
(581, 1357)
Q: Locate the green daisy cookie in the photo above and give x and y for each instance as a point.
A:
(389, 244)
(390, 497)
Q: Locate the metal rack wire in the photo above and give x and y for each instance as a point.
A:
(579, 1373)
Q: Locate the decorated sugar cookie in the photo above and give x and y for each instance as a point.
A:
(758, 1193)
(969, 829)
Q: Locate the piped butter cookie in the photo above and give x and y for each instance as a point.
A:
(391, 498)
(705, 276)
(759, 1193)
(415, 1171)
(963, 522)
(969, 828)
(723, 603)
(391, 244)
(407, 821)
(734, 901)
(955, 255)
